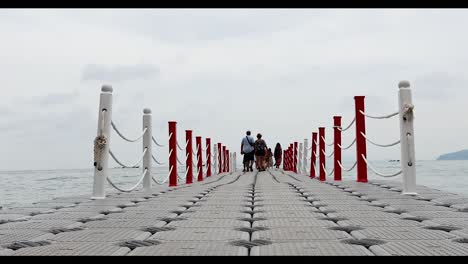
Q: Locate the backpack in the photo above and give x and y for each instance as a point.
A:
(261, 146)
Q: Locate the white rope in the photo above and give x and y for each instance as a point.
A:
(123, 137)
(130, 189)
(326, 142)
(352, 143)
(380, 117)
(181, 178)
(378, 173)
(155, 142)
(326, 153)
(354, 165)
(380, 145)
(155, 160)
(178, 161)
(177, 143)
(323, 166)
(125, 166)
(164, 181)
(333, 170)
(350, 124)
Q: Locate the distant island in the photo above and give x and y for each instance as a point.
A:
(459, 155)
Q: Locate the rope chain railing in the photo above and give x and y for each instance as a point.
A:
(361, 140)
(127, 166)
(380, 145)
(327, 143)
(325, 169)
(103, 152)
(125, 138)
(350, 145)
(350, 169)
(178, 146)
(379, 173)
(165, 180)
(350, 124)
(155, 160)
(380, 117)
(155, 142)
(130, 189)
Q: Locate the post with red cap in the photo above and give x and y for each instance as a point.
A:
(228, 162)
(322, 153)
(224, 158)
(172, 154)
(208, 157)
(199, 159)
(313, 156)
(220, 159)
(284, 159)
(337, 147)
(295, 158)
(361, 152)
(189, 158)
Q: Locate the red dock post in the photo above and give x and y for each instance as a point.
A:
(224, 158)
(228, 161)
(314, 155)
(172, 153)
(220, 160)
(322, 154)
(291, 159)
(336, 147)
(189, 158)
(295, 158)
(208, 157)
(360, 140)
(199, 159)
(284, 159)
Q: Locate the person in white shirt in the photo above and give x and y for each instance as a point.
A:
(248, 150)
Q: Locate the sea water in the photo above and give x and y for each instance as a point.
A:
(25, 187)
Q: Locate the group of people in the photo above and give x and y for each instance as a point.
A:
(257, 151)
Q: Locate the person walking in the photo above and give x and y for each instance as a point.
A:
(248, 150)
(278, 155)
(260, 152)
(269, 160)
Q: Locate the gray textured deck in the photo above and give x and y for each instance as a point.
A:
(266, 213)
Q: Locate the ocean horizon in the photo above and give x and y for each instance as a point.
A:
(23, 187)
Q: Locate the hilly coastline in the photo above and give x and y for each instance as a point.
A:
(459, 155)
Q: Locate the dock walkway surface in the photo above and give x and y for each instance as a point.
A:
(244, 214)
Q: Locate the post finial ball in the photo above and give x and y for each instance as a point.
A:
(146, 111)
(107, 88)
(403, 84)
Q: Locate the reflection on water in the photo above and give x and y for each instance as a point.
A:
(25, 187)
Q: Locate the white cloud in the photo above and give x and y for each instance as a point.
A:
(221, 72)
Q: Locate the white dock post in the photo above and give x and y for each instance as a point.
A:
(215, 159)
(299, 159)
(408, 160)
(103, 135)
(235, 162)
(304, 159)
(147, 144)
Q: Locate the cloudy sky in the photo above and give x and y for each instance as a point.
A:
(220, 72)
